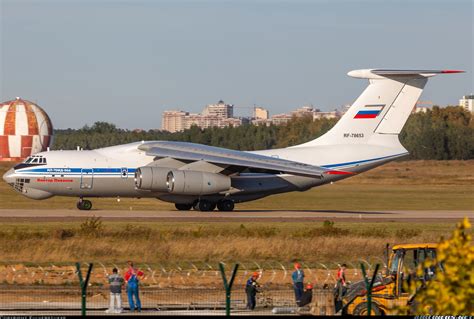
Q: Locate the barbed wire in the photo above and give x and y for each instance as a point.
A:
(184, 274)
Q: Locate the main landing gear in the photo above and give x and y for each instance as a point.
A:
(204, 205)
(84, 204)
(225, 205)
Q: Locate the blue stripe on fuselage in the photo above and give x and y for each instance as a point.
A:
(75, 171)
(118, 171)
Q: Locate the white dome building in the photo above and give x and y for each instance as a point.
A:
(25, 129)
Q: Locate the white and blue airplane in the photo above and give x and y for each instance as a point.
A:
(205, 177)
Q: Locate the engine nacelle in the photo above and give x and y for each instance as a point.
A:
(196, 183)
(151, 178)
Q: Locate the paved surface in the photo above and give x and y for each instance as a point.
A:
(235, 216)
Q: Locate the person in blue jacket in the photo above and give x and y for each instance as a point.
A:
(251, 289)
(298, 282)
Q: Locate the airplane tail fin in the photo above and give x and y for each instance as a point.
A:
(380, 112)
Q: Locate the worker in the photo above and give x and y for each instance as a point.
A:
(307, 296)
(340, 287)
(133, 276)
(251, 289)
(116, 283)
(298, 279)
(341, 275)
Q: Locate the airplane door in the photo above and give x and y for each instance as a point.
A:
(87, 178)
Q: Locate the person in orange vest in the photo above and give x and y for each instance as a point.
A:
(340, 287)
(298, 279)
(341, 275)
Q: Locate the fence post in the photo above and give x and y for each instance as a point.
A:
(83, 285)
(368, 286)
(228, 285)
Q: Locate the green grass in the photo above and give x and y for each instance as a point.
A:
(410, 185)
(372, 197)
(172, 242)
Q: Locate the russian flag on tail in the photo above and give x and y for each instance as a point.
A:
(369, 111)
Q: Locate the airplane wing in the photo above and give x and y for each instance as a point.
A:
(222, 156)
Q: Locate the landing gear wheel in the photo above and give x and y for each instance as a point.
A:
(361, 310)
(84, 204)
(225, 205)
(204, 205)
(183, 206)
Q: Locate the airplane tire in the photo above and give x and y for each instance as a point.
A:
(84, 205)
(183, 206)
(225, 205)
(204, 206)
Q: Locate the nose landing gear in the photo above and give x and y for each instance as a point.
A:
(84, 204)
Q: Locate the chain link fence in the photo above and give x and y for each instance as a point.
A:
(156, 301)
(54, 289)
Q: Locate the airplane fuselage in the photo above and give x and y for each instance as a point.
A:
(110, 172)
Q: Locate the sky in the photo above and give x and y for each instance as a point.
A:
(125, 62)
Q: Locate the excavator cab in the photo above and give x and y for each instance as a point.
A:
(390, 290)
(404, 262)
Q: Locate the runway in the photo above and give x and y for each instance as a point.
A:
(235, 216)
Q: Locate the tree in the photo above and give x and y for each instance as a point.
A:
(451, 292)
(440, 134)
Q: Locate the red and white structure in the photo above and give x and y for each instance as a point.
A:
(25, 129)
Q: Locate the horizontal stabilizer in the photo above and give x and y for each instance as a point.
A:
(378, 73)
(413, 72)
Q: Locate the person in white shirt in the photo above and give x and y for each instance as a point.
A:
(116, 282)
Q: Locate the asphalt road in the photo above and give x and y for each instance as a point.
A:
(235, 216)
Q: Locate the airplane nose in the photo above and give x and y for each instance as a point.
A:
(8, 176)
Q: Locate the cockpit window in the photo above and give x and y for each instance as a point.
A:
(32, 161)
(35, 159)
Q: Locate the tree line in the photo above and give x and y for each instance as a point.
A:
(439, 134)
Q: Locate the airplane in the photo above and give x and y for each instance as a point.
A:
(200, 177)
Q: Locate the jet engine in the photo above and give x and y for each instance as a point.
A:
(196, 183)
(151, 178)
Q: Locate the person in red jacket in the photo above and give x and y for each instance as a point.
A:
(132, 277)
(340, 287)
(341, 274)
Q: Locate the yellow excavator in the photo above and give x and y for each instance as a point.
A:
(389, 290)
